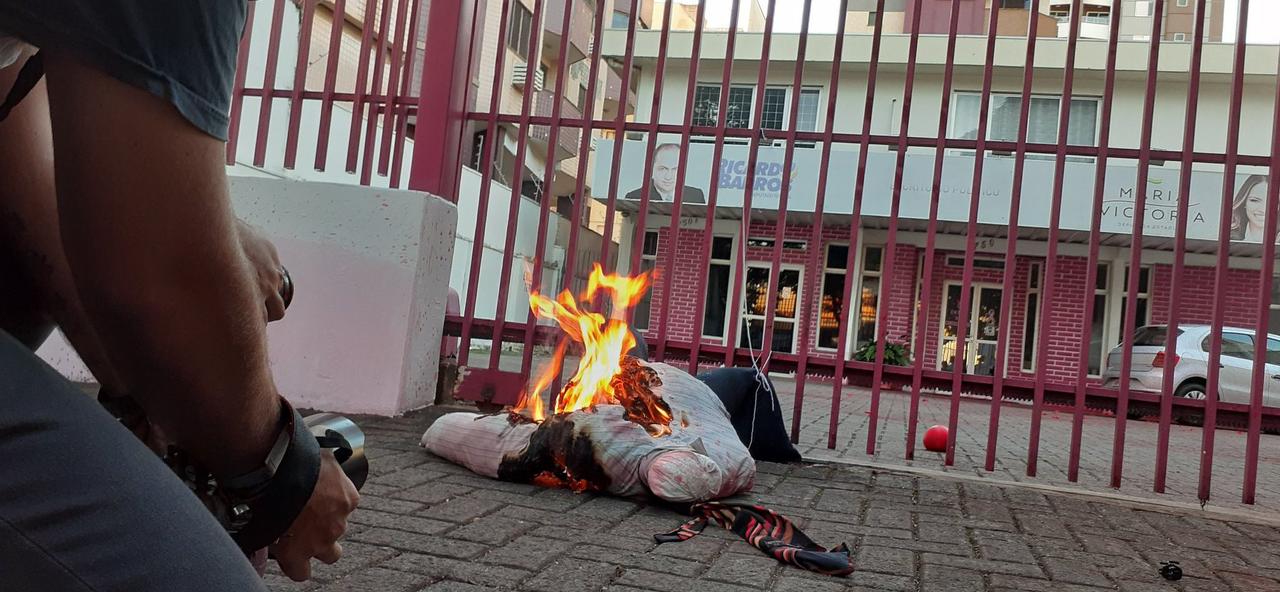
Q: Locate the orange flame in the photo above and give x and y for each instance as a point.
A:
(605, 343)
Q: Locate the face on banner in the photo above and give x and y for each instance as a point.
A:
(662, 178)
(1249, 210)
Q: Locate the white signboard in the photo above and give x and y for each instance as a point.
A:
(1118, 196)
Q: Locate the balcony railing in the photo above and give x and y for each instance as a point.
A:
(569, 137)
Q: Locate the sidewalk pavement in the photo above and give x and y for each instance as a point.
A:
(428, 525)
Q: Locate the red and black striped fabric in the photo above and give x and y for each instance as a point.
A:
(768, 531)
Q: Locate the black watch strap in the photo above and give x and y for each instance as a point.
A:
(276, 504)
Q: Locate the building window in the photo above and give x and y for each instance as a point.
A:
(718, 275)
(648, 260)
(871, 18)
(1179, 36)
(807, 116)
(1184, 3)
(706, 108)
(621, 20)
(1142, 315)
(521, 30)
(869, 295)
(774, 114)
(774, 111)
(1005, 112)
(833, 278)
(1098, 324)
(1273, 322)
(755, 307)
(1142, 8)
(1032, 319)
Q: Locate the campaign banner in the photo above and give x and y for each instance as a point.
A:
(1117, 206)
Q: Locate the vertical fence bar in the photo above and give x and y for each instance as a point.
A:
(1266, 277)
(548, 183)
(584, 148)
(1095, 230)
(442, 98)
(299, 83)
(389, 96)
(1210, 426)
(780, 226)
(362, 79)
(1055, 223)
(1135, 265)
(855, 228)
(714, 191)
(268, 84)
(817, 254)
(237, 94)
(619, 136)
(394, 89)
(935, 194)
(339, 15)
(486, 176)
(753, 158)
(378, 95)
(1011, 246)
(517, 181)
(673, 232)
(651, 144)
(1180, 249)
(401, 123)
(890, 249)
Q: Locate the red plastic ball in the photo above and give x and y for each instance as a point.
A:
(935, 439)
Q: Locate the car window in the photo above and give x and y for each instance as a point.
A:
(1273, 351)
(1151, 335)
(1236, 345)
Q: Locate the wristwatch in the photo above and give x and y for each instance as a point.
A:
(250, 484)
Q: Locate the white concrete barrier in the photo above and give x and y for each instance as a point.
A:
(371, 269)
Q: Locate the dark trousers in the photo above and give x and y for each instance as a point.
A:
(84, 506)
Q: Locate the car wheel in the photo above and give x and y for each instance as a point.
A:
(1191, 389)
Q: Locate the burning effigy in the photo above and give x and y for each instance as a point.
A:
(619, 425)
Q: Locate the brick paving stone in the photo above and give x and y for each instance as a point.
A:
(1075, 572)
(574, 575)
(528, 552)
(431, 493)
(452, 586)
(399, 521)
(665, 582)
(742, 569)
(406, 477)
(875, 558)
(1001, 546)
(941, 578)
(492, 530)
(377, 579)
(386, 504)
(628, 541)
(1021, 584)
(430, 544)
(354, 556)
(462, 509)
(981, 565)
(470, 572)
(796, 583)
(640, 560)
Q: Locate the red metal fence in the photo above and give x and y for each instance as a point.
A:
(443, 110)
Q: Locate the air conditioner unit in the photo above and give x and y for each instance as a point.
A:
(1142, 8)
(520, 74)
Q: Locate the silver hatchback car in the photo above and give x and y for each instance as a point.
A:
(1191, 363)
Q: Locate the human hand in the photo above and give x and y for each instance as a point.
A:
(268, 272)
(323, 521)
